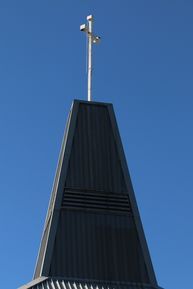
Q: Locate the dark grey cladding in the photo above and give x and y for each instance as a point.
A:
(93, 229)
(94, 162)
(98, 246)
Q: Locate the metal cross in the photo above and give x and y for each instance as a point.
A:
(91, 39)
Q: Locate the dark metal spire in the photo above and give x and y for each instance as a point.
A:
(93, 229)
(93, 233)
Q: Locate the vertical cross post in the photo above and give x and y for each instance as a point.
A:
(91, 39)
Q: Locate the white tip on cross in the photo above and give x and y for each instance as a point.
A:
(92, 39)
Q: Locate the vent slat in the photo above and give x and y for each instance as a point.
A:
(96, 193)
(104, 206)
(97, 200)
(90, 207)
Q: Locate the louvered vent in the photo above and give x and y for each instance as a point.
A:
(96, 200)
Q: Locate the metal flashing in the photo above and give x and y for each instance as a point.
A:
(61, 283)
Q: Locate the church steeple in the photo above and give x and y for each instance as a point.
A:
(93, 236)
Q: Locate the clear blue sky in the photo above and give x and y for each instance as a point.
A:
(144, 66)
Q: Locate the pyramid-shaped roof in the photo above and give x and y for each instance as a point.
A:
(93, 230)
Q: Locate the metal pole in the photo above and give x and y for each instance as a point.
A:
(92, 39)
(90, 20)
